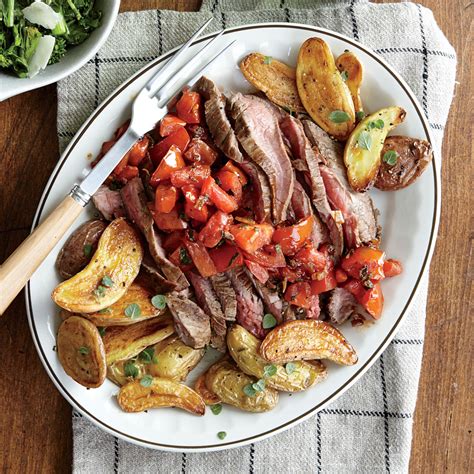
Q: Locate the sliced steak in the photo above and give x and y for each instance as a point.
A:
(256, 126)
(207, 299)
(151, 276)
(249, 305)
(109, 203)
(226, 294)
(315, 311)
(216, 119)
(190, 321)
(341, 305)
(133, 196)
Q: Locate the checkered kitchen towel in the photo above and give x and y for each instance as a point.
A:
(369, 428)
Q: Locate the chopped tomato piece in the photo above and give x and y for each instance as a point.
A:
(193, 208)
(138, 151)
(198, 131)
(229, 166)
(341, 275)
(173, 240)
(180, 257)
(372, 301)
(169, 124)
(251, 237)
(327, 283)
(179, 138)
(218, 196)
(127, 173)
(229, 181)
(188, 107)
(259, 272)
(392, 267)
(166, 196)
(121, 165)
(293, 237)
(200, 152)
(364, 263)
(193, 175)
(299, 294)
(310, 259)
(213, 232)
(168, 221)
(200, 258)
(269, 257)
(225, 257)
(172, 161)
(355, 287)
(292, 274)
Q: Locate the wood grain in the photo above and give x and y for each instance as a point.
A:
(35, 427)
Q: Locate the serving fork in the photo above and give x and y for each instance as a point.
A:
(149, 106)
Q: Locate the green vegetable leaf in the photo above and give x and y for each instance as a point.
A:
(365, 140)
(146, 355)
(216, 409)
(259, 385)
(184, 257)
(267, 60)
(344, 75)
(339, 116)
(159, 301)
(130, 369)
(107, 281)
(221, 434)
(290, 367)
(249, 390)
(83, 350)
(133, 311)
(87, 250)
(360, 114)
(99, 291)
(390, 157)
(269, 321)
(269, 370)
(379, 123)
(146, 380)
(101, 331)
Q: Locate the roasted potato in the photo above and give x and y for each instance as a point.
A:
(226, 380)
(81, 351)
(306, 339)
(125, 342)
(274, 78)
(322, 91)
(210, 398)
(363, 148)
(156, 393)
(79, 248)
(124, 371)
(108, 275)
(403, 160)
(349, 65)
(243, 347)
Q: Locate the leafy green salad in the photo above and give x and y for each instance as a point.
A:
(34, 34)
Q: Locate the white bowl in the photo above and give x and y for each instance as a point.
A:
(75, 58)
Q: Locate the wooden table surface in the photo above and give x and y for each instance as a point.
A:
(35, 422)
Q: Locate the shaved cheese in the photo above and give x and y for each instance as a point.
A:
(41, 56)
(41, 14)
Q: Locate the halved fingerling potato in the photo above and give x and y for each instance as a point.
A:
(108, 275)
(322, 91)
(227, 381)
(274, 78)
(210, 398)
(136, 396)
(306, 339)
(362, 153)
(125, 342)
(243, 347)
(349, 65)
(81, 351)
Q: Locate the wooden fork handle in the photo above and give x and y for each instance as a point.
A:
(18, 268)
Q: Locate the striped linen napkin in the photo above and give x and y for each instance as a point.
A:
(369, 428)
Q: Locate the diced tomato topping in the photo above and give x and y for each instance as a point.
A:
(218, 196)
(292, 274)
(127, 173)
(188, 107)
(229, 166)
(259, 272)
(179, 138)
(299, 294)
(355, 287)
(169, 124)
(200, 257)
(392, 267)
(327, 283)
(200, 152)
(172, 161)
(364, 263)
(310, 259)
(268, 256)
(229, 181)
(197, 131)
(293, 237)
(341, 275)
(225, 257)
(251, 237)
(213, 232)
(138, 151)
(121, 165)
(181, 258)
(166, 196)
(168, 221)
(193, 175)
(372, 301)
(173, 240)
(193, 208)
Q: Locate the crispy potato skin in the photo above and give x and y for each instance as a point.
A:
(322, 89)
(125, 342)
(133, 397)
(307, 340)
(243, 347)
(118, 256)
(81, 351)
(200, 387)
(275, 79)
(362, 164)
(350, 63)
(227, 382)
(414, 155)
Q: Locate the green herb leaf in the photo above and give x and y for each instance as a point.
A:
(339, 116)
(133, 311)
(130, 369)
(107, 281)
(344, 75)
(146, 380)
(184, 257)
(87, 250)
(83, 350)
(365, 140)
(390, 157)
(259, 385)
(159, 301)
(249, 390)
(101, 331)
(290, 367)
(99, 291)
(360, 114)
(216, 409)
(379, 123)
(221, 434)
(146, 355)
(267, 60)
(269, 370)
(269, 321)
